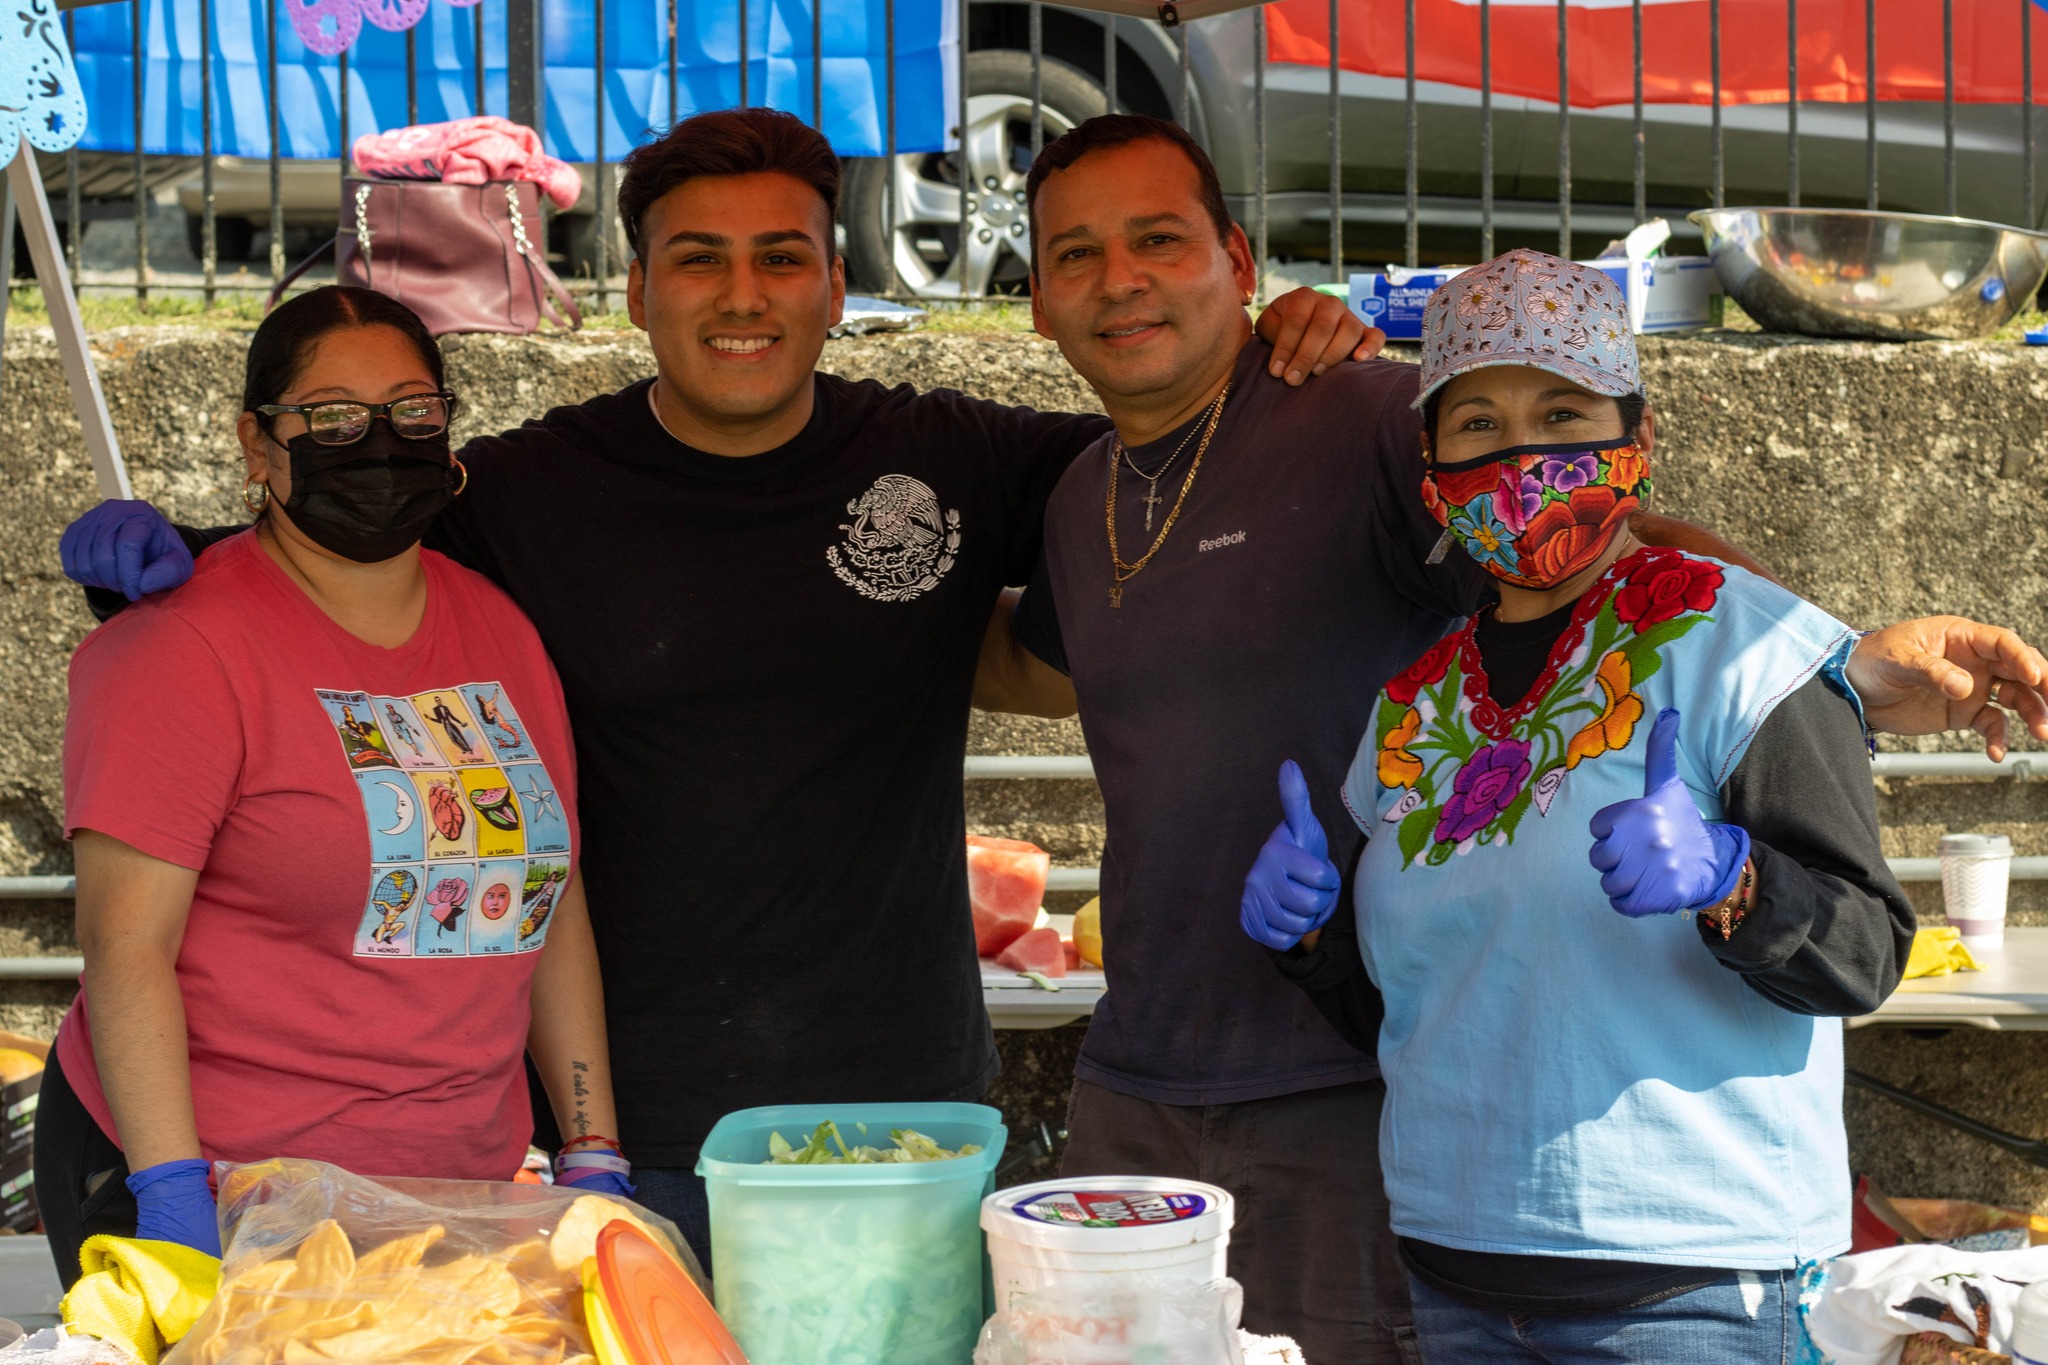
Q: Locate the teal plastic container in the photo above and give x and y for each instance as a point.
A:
(851, 1265)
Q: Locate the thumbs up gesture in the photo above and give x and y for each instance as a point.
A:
(1657, 854)
(1292, 888)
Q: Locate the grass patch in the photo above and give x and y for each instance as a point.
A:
(1002, 315)
(230, 312)
(241, 312)
(2015, 330)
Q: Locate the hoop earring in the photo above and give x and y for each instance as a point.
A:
(465, 477)
(253, 499)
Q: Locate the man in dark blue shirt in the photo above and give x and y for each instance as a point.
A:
(1229, 578)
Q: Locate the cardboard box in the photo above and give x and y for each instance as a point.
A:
(1665, 293)
(18, 1100)
(1392, 301)
(18, 1212)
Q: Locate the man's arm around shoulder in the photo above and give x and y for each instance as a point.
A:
(1012, 679)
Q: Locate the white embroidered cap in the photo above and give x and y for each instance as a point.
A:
(1529, 308)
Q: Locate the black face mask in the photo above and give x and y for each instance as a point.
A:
(369, 501)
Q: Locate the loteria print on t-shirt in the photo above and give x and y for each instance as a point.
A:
(469, 846)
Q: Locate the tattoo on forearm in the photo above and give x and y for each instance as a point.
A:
(579, 1087)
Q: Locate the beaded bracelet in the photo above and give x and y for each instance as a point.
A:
(1730, 913)
(592, 1140)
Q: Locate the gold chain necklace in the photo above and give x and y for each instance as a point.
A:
(1120, 571)
(1152, 498)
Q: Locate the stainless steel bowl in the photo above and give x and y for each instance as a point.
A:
(1884, 276)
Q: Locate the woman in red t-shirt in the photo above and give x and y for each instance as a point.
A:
(322, 799)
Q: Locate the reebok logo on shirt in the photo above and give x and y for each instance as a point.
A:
(1234, 538)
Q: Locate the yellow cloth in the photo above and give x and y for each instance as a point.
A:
(140, 1295)
(1939, 951)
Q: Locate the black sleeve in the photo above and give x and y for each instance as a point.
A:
(459, 531)
(1031, 450)
(1036, 623)
(1829, 929)
(1334, 974)
(105, 603)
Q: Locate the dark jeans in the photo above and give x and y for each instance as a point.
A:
(1311, 1245)
(81, 1176)
(677, 1194)
(1746, 1319)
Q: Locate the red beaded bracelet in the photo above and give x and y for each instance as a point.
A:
(1730, 913)
(593, 1140)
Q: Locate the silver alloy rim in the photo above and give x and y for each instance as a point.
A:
(927, 231)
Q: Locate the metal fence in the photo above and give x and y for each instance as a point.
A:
(526, 99)
(2019, 767)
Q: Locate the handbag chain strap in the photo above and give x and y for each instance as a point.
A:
(520, 242)
(363, 222)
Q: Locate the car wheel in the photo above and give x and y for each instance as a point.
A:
(925, 244)
(233, 238)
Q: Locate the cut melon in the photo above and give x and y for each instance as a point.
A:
(1005, 885)
(1039, 951)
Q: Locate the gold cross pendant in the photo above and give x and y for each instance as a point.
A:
(1116, 597)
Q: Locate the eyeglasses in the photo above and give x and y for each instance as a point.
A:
(416, 417)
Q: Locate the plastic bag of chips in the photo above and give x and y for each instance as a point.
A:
(322, 1266)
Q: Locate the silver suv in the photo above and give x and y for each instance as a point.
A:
(926, 239)
(923, 244)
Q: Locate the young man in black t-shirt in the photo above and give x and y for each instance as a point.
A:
(1229, 578)
(765, 590)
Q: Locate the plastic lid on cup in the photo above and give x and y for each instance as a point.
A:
(1975, 846)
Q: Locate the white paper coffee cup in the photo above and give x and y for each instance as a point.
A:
(1976, 871)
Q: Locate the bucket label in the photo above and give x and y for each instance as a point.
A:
(1112, 1208)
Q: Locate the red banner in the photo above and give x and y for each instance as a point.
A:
(1676, 64)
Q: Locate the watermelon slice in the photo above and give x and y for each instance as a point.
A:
(1073, 954)
(1039, 951)
(1005, 884)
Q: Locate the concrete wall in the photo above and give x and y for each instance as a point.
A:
(1880, 481)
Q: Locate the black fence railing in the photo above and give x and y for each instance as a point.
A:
(1208, 69)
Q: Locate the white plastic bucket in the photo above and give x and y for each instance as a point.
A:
(2030, 1326)
(1976, 870)
(1068, 1232)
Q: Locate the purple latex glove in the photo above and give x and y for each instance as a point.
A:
(593, 1181)
(174, 1204)
(1657, 854)
(1293, 886)
(125, 547)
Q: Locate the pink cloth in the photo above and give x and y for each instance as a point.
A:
(469, 151)
(358, 961)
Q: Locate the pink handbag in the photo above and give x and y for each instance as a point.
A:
(458, 255)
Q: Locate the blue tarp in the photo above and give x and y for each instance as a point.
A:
(636, 76)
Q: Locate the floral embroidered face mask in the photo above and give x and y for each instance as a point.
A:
(1534, 516)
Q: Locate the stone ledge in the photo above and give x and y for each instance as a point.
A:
(1882, 481)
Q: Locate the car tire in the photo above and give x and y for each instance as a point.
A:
(233, 238)
(928, 231)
